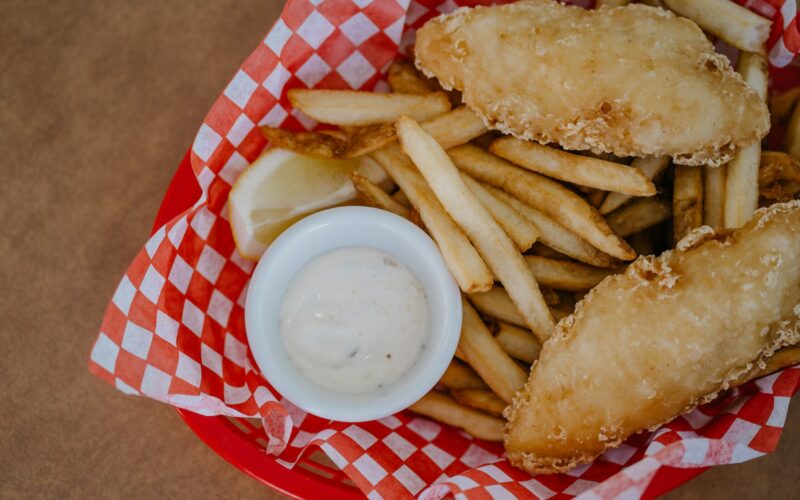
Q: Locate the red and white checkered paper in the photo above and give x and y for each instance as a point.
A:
(174, 329)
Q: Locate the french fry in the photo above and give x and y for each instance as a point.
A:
(687, 201)
(654, 3)
(460, 376)
(577, 169)
(401, 198)
(455, 127)
(518, 228)
(565, 275)
(468, 268)
(518, 343)
(783, 358)
(595, 197)
(317, 144)
(482, 352)
(741, 184)
(781, 105)
(564, 307)
(639, 214)
(353, 107)
(543, 250)
(650, 166)
(791, 141)
(445, 409)
(492, 243)
(376, 197)
(714, 195)
(778, 176)
(546, 195)
(364, 140)
(404, 78)
(556, 236)
(735, 25)
(480, 399)
(497, 304)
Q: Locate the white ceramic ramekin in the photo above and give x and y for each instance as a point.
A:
(318, 234)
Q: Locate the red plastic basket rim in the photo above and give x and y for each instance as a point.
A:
(226, 440)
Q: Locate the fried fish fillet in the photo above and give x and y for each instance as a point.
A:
(632, 81)
(652, 343)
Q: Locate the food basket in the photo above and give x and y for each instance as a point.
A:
(242, 441)
(157, 341)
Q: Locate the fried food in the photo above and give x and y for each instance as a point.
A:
(445, 409)
(492, 243)
(741, 181)
(736, 25)
(656, 341)
(687, 201)
(594, 79)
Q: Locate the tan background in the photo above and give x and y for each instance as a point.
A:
(98, 103)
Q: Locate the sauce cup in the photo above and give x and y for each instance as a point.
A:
(318, 234)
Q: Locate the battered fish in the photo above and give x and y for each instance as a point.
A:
(654, 342)
(632, 81)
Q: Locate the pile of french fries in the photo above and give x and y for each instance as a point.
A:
(525, 229)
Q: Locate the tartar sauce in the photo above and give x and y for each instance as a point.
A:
(354, 320)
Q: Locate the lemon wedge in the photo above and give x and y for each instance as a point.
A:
(281, 187)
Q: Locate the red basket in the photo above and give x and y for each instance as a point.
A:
(242, 441)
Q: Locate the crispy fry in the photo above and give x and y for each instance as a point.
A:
(318, 144)
(518, 343)
(547, 195)
(460, 376)
(469, 270)
(521, 231)
(401, 198)
(734, 24)
(687, 201)
(781, 105)
(480, 399)
(543, 250)
(455, 127)
(497, 304)
(376, 197)
(565, 275)
(791, 141)
(595, 197)
(783, 358)
(445, 409)
(352, 107)
(490, 240)
(565, 306)
(577, 169)
(741, 184)
(650, 166)
(778, 176)
(654, 3)
(639, 214)
(364, 140)
(556, 236)
(404, 78)
(483, 353)
(714, 195)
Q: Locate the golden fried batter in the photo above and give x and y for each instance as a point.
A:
(632, 81)
(665, 336)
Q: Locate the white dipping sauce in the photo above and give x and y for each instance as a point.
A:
(354, 320)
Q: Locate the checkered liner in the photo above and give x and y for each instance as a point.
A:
(174, 330)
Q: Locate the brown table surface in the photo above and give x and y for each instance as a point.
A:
(98, 103)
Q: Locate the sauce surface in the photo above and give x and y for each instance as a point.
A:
(354, 320)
